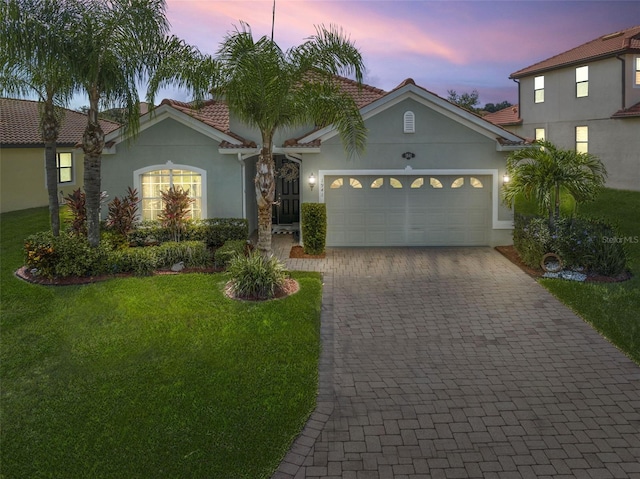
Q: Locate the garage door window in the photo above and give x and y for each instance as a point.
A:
(395, 183)
(354, 183)
(377, 183)
(475, 182)
(417, 183)
(457, 183)
(336, 184)
(435, 183)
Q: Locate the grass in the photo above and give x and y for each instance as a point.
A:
(613, 309)
(150, 377)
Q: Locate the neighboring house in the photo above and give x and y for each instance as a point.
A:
(22, 162)
(587, 98)
(431, 174)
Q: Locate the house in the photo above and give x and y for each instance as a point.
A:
(22, 159)
(587, 98)
(431, 174)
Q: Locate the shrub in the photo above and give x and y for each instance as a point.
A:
(580, 242)
(217, 231)
(122, 213)
(229, 251)
(194, 254)
(532, 239)
(177, 204)
(40, 254)
(139, 261)
(65, 255)
(76, 203)
(314, 227)
(256, 277)
(214, 231)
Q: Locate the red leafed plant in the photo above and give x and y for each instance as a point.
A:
(76, 203)
(177, 205)
(123, 212)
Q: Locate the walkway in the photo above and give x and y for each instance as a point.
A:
(451, 362)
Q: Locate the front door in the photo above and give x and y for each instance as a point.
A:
(287, 195)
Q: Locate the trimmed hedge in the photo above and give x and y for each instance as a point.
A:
(227, 252)
(213, 231)
(314, 227)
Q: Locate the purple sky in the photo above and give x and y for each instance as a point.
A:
(442, 45)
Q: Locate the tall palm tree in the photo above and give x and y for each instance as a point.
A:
(269, 89)
(542, 171)
(34, 60)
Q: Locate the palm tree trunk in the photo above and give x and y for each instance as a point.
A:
(93, 144)
(265, 195)
(50, 126)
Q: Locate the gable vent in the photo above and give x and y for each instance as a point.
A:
(409, 122)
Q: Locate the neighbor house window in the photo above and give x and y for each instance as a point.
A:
(64, 167)
(582, 139)
(540, 136)
(538, 89)
(409, 122)
(637, 72)
(153, 182)
(582, 81)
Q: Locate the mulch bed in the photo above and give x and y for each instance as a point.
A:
(512, 255)
(298, 252)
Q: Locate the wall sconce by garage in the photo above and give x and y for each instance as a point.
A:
(506, 178)
(408, 155)
(312, 181)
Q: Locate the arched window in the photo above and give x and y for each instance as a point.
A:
(435, 183)
(458, 183)
(355, 183)
(337, 184)
(153, 181)
(377, 183)
(417, 183)
(395, 183)
(475, 182)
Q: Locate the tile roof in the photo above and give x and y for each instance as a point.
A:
(632, 111)
(362, 94)
(506, 117)
(624, 41)
(20, 119)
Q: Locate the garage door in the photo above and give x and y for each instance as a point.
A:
(408, 210)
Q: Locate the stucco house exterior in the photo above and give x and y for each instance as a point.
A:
(587, 98)
(431, 174)
(22, 162)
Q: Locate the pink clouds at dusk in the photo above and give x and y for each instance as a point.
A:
(442, 45)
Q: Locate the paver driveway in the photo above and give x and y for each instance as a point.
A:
(451, 362)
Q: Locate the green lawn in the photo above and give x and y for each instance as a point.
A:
(612, 309)
(149, 377)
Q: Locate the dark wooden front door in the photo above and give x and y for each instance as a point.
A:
(288, 197)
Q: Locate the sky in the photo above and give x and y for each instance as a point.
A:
(442, 45)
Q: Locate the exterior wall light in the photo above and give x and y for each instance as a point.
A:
(506, 178)
(312, 181)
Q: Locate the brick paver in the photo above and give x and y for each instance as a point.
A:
(452, 363)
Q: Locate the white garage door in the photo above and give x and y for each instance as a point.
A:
(419, 210)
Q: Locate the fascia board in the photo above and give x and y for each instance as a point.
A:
(430, 100)
(163, 112)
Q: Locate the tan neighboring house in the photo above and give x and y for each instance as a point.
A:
(22, 162)
(587, 98)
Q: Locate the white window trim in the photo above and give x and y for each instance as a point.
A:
(536, 90)
(408, 171)
(586, 67)
(635, 71)
(137, 175)
(73, 169)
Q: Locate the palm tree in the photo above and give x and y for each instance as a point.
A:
(119, 44)
(269, 89)
(34, 61)
(541, 172)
